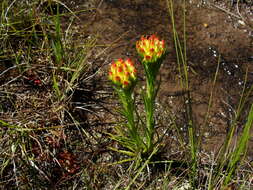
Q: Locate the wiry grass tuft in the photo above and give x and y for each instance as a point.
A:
(222, 171)
(41, 67)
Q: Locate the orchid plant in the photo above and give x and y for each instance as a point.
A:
(138, 140)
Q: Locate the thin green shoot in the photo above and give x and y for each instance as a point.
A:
(241, 148)
(205, 123)
(183, 71)
(224, 156)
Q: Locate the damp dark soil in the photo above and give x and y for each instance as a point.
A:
(213, 29)
(217, 32)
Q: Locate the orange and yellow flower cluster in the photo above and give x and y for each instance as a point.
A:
(150, 48)
(123, 73)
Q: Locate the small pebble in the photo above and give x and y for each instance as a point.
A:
(241, 22)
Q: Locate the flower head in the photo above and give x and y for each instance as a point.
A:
(123, 73)
(150, 48)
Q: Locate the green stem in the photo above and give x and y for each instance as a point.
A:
(149, 108)
(128, 111)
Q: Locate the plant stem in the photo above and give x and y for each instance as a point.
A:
(150, 103)
(128, 111)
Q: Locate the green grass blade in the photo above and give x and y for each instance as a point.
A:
(241, 147)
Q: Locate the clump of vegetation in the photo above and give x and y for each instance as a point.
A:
(139, 140)
(41, 68)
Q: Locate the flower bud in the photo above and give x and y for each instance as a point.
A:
(123, 73)
(150, 48)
